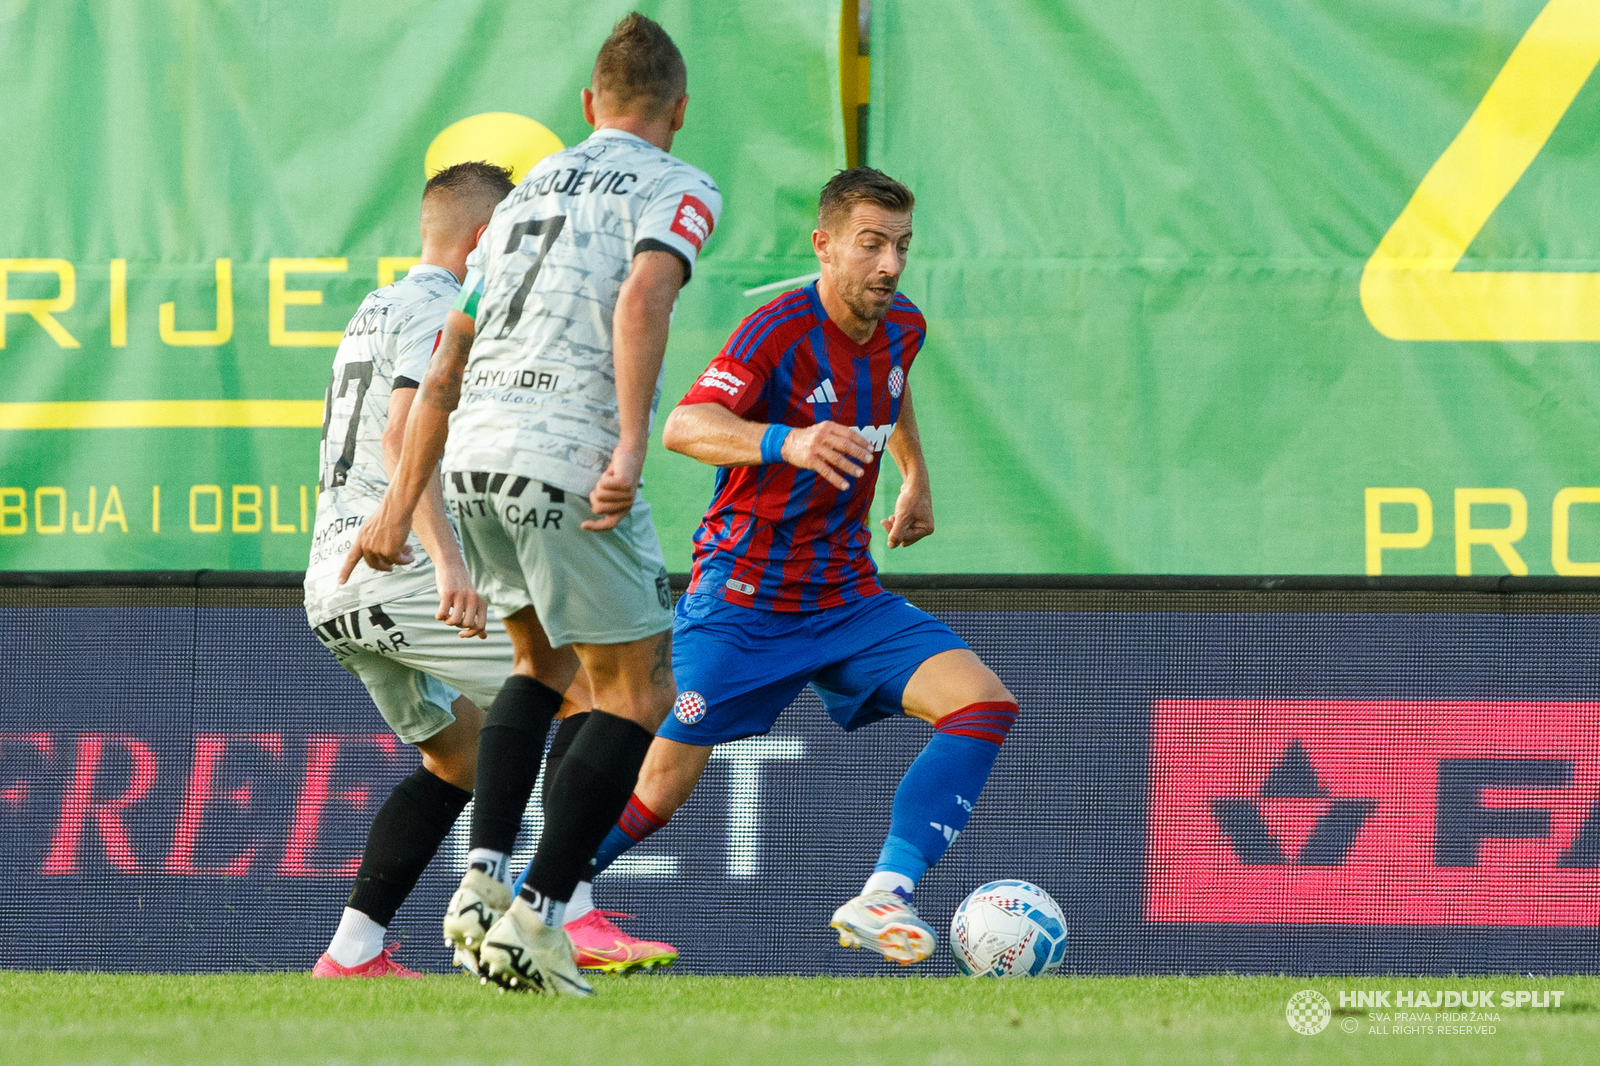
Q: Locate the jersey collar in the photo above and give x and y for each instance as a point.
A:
(831, 328)
(430, 268)
(612, 133)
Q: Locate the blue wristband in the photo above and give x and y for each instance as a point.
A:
(772, 443)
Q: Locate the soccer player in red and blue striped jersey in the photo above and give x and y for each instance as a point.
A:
(795, 413)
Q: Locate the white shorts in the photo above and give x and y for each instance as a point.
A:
(413, 665)
(525, 546)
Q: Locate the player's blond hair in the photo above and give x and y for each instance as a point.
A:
(639, 68)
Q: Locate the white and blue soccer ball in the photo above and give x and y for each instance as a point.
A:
(1008, 929)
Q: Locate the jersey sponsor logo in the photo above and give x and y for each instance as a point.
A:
(721, 379)
(897, 382)
(689, 708)
(337, 526)
(1380, 812)
(823, 393)
(537, 380)
(877, 436)
(692, 221)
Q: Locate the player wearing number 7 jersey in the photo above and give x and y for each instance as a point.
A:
(398, 632)
(549, 374)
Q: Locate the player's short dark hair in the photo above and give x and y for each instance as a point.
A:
(477, 176)
(639, 66)
(861, 185)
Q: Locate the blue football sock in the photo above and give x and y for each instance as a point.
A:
(637, 822)
(611, 848)
(935, 797)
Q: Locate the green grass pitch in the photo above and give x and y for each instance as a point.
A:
(666, 1019)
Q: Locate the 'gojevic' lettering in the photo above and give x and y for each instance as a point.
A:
(573, 182)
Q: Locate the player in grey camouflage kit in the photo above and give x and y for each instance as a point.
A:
(398, 631)
(549, 373)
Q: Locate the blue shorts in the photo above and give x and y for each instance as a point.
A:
(737, 668)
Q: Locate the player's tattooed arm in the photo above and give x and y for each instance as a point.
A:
(381, 544)
(638, 344)
(913, 509)
(441, 387)
(713, 434)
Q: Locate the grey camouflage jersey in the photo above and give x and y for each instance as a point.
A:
(539, 396)
(390, 340)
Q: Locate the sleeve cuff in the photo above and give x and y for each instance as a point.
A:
(650, 244)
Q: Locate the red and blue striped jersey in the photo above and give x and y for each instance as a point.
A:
(777, 537)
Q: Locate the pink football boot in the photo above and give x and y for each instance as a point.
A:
(380, 965)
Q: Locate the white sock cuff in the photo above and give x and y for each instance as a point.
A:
(496, 863)
(582, 901)
(889, 881)
(358, 939)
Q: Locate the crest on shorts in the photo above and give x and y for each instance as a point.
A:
(690, 708)
(897, 382)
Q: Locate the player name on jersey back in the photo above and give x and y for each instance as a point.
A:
(539, 396)
(390, 338)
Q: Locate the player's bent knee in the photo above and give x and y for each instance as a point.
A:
(452, 753)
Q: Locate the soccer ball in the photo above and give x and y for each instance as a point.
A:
(1008, 929)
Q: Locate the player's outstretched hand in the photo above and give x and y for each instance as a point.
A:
(831, 450)
(913, 515)
(618, 487)
(459, 603)
(381, 543)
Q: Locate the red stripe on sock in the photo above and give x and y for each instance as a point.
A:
(981, 721)
(639, 821)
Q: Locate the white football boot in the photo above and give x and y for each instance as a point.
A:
(522, 954)
(885, 923)
(473, 909)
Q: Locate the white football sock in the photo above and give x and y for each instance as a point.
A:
(582, 901)
(497, 864)
(552, 912)
(888, 881)
(358, 939)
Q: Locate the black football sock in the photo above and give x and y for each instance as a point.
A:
(566, 732)
(508, 759)
(408, 829)
(597, 777)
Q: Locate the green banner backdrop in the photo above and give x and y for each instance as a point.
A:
(1213, 286)
(168, 153)
(1141, 241)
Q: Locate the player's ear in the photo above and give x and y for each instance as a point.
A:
(819, 243)
(477, 234)
(587, 96)
(677, 112)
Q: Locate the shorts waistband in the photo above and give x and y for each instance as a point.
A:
(492, 482)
